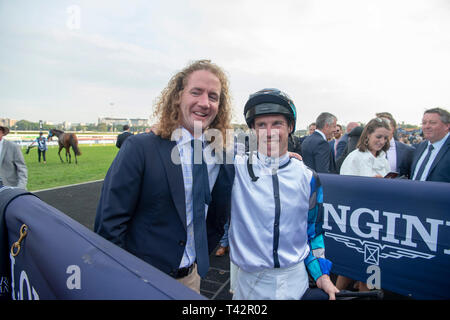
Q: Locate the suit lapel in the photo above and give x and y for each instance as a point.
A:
(333, 168)
(441, 153)
(174, 176)
(397, 151)
(398, 154)
(2, 154)
(418, 154)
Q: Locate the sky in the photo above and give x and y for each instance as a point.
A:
(80, 60)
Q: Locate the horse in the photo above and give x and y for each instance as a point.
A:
(66, 140)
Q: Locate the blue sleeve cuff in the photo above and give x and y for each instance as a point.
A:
(319, 267)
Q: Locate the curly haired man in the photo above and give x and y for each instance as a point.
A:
(171, 213)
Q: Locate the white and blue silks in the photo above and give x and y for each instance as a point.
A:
(274, 231)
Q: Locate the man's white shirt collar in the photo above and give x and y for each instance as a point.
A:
(183, 139)
(438, 144)
(182, 136)
(392, 143)
(322, 134)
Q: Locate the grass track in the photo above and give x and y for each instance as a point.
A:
(92, 165)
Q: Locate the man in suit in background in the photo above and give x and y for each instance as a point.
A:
(342, 144)
(294, 144)
(13, 170)
(337, 137)
(311, 129)
(350, 145)
(399, 154)
(316, 151)
(431, 160)
(155, 199)
(121, 137)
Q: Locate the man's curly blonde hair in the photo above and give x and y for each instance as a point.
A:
(167, 108)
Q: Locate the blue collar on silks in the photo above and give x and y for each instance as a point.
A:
(268, 162)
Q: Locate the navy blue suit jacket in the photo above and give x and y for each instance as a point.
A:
(340, 148)
(404, 158)
(331, 143)
(317, 154)
(440, 168)
(122, 137)
(142, 205)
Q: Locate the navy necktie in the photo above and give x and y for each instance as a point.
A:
(424, 163)
(200, 196)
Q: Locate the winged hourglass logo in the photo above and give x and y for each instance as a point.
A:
(373, 251)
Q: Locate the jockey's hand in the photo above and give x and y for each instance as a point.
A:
(295, 155)
(326, 285)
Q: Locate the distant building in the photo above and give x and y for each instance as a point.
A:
(6, 122)
(122, 121)
(67, 125)
(139, 122)
(113, 121)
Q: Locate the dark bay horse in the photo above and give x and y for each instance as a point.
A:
(66, 140)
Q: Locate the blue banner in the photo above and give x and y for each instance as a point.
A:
(55, 257)
(389, 233)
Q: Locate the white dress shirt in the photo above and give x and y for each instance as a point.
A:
(437, 147)
(392, 155)
(185, 150)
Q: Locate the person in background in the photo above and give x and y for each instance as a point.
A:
(431, 159)
(294, 144)
(224, 244)
(311, 129)
(337, 137)
(316, 151)
(13, 170)
(342, 144)
(123, 136)
(41, 145)
(399, 154)
(350, 145)
(368, 160)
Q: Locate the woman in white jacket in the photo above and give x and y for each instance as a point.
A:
(369, 157)
(368, 160)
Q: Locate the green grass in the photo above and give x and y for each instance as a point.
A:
(92, 165)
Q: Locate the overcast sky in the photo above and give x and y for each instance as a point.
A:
(79, 60)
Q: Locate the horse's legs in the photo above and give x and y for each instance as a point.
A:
(68, 153)
(59, 154)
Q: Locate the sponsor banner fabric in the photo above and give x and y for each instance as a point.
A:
(392, 233)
